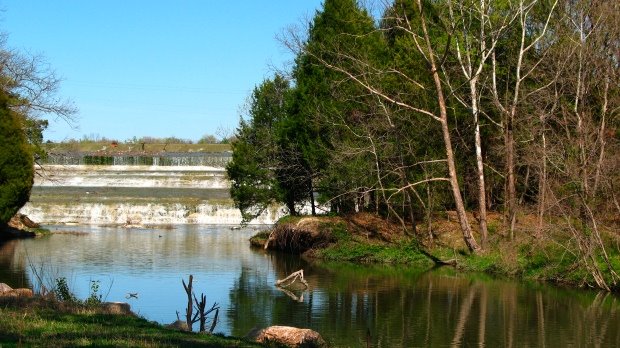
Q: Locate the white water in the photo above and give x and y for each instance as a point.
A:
(135, 195)
(140, 214)
(132, 176)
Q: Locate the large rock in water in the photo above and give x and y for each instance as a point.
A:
(289, 336)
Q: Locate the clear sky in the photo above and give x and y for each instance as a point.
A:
(156, 68)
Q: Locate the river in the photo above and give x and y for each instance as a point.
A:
(350, 305)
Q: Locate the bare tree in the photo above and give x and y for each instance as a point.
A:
(32, 84)
(475, 35)
(576, 99)
(32, 87)
(508, 103)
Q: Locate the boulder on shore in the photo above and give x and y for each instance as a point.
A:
(116, 308)
(7, 291)
(289, 336)
(21, 221)
(17, 228)
(178, 325)
(4, 288)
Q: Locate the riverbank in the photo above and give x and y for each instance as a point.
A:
(20, 227)
(365, 238)
(44, 323)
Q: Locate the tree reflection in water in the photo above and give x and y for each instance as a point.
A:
(398, 306)
(12, 268)
(403, 307)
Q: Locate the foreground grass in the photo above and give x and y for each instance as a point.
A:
(46, 323)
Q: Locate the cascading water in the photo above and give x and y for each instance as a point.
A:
(216, 159)
(136, 190)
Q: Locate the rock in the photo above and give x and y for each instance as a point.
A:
(4, 288)
(21, 221)
(116, 307)
(178, 325)
(15, 228)
(23, 292)
(27, 222)
(7, 291)
(291, 337)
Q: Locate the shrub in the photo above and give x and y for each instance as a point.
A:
(62, 292)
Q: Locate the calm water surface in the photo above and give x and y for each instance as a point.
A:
(349, 305)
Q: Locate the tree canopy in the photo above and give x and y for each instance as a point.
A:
(458, 105)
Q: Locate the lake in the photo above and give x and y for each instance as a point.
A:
(350, 305)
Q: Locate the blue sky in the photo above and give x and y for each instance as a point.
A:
(154, 68)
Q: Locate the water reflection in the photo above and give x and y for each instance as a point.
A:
(401, 307)
(350, 305)
(12, 270)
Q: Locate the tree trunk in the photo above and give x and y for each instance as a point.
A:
(511, 192)
(601, 137)
(542, 185)
(312, 203)
(471, 243)
(482, 204)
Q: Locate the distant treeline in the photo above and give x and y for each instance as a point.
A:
(205, 139)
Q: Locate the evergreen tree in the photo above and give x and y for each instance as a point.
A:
(257, 164)
(325, 99)
(16, 163)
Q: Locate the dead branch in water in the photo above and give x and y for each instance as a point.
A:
(291, 279)
(202, 313)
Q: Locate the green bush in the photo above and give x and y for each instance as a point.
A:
(94, 298)
(62, 291)
(16, 163)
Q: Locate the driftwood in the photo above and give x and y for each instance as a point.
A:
(293, 280)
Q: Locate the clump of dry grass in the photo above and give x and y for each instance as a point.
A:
(298, 238)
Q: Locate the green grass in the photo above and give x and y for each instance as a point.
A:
(259, 239)
(44, 323)
(348, 249)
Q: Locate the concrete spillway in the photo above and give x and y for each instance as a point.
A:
(136, 194)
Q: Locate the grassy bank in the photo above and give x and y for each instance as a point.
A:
(366, 239)
(46, 323)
